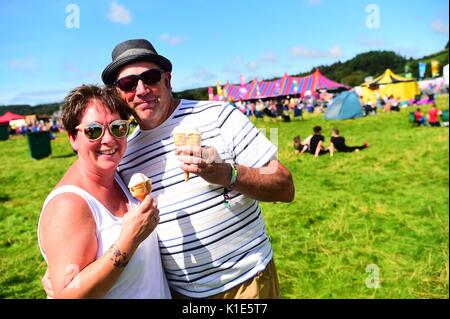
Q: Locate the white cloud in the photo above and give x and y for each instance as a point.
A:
(371, 42)
(252, 65)
(439, 26)
(71, 71)
(23, 64)
(269, 57)
(204, 75)
(119, 14)
(199, 78)
(413, 52)
(302, 52)
(335, 52)
(38, 97)
(172, 40)
(313, 3)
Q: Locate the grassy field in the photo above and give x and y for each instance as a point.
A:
(372, 224)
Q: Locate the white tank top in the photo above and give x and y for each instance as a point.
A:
(143, 277)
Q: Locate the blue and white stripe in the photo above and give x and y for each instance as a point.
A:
(206, 248)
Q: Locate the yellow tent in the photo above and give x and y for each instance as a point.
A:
(389, 84)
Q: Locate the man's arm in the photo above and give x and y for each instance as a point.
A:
(270, 183)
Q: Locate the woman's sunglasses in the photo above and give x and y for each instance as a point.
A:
(129, 83)
(93, 131)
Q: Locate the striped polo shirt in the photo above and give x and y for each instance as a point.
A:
(206, 247)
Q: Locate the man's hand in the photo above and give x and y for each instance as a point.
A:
(205, 162)
(47, 284)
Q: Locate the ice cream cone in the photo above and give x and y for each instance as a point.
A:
(179, 139)
(186, 135)
(140, 185)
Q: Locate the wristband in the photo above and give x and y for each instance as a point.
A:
(234, 176)
(226, 190)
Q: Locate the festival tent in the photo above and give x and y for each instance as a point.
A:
(317, 81)
(389, 84)
(9, 116)
(284, 86)
(344, 106)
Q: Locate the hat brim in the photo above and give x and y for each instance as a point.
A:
(109, 74)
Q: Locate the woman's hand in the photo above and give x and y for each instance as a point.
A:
(139, 222)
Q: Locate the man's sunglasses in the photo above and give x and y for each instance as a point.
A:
(93, 131)
(129, 83)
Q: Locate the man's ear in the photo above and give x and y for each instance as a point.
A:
(167, 80)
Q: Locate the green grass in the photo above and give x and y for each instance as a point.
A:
(387, 205)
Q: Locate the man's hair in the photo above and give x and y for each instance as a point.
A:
(317, 129)
(336, 131)
(76, 102)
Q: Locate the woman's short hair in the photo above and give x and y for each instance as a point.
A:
(77, 101)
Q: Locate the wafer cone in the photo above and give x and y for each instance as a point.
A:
(184, 135)
(140, 185)
(193, 139)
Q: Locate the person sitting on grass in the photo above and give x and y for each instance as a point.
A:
(298, 146)
(338, 144)
(433, 114)
(419, 118)
(316, 147)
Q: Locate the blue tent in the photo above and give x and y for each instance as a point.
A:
(344, 106)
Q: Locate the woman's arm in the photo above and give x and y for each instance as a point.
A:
(68, 233)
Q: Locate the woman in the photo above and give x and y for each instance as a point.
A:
(298, 146)
(97, 240)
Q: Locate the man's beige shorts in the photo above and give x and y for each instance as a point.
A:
(264, 285)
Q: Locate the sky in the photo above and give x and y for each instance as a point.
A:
(48, 47)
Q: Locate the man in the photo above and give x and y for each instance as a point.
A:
(211, 233)
(338, 144)
(316, 143)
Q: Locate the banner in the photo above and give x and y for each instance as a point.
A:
(219, 91)
(434, 68)
(225, 91)
(210, 93)
(422, 69)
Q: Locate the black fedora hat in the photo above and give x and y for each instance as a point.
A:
(133, 51)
